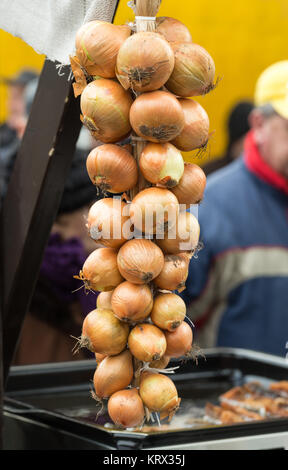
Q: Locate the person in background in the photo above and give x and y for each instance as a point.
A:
(60, 302)
(237, 288)
(237, 127)
(12, 130)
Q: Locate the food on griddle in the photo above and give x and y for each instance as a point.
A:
(250, 402)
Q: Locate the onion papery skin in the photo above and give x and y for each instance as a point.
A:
(183, 237)
(100, 271)
(126, 408)
(104, 300)
(194, 70)
(103, 333)
(97, 46)
(99, 357)
(157, 116)
(105, 107)
(195, 133)
(173, 30)
(147, 342)
(112, 168)
(107, 223)
(154, 211)
(158, 392)
(113, 374)
(191, 187)
(140, 261)
(132, 302)
(179, 341)
(145, 62)
(174, 273)
(161, 164)
(168, 312)
(160, 363)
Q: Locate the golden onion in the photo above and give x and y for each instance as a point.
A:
(157, 116)
(105, 107)
(108, 222)
(147, 342)
(154, 211)
(145, 62)
(100, 271)
(97, 46)
(140, 260)
(112, 168)
(168, 312)
(182, 237)
(194, 70)
(132, 302)
(195, 133)
(161, 164)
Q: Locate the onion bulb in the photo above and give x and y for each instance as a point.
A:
(168, 312)
(160, 363)
(183, 237)
(100, 271)
(161, 164)
(145, 62)
(105, 106)
(140, 261)
(194, 70)
(174, 272)
(195, 133)
(172, 30)
(112, 168)
(190, 189)
(126, 409)
(179, 341)
(99, 357)
(132, 302)
(159, 393)
(108, 222)
(112, 374)
(154, 211)
(157, 116)
(97, 46)
(147, 342)
(103, 333)
(104, 300)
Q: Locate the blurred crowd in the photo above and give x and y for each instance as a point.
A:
(237, 290)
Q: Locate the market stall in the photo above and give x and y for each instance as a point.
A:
(51, 406)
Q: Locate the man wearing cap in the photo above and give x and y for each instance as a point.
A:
(237, 289)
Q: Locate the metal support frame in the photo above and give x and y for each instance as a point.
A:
(34, 195)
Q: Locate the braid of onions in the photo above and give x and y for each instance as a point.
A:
(144, 237)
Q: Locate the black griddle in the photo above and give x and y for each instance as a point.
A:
(50, 406)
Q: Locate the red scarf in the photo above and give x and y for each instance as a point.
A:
(260, 168)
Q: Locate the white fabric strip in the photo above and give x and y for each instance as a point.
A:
(50, 26)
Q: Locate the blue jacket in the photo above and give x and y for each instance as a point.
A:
(237, 289)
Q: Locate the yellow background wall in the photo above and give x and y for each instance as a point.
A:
(243, 37)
